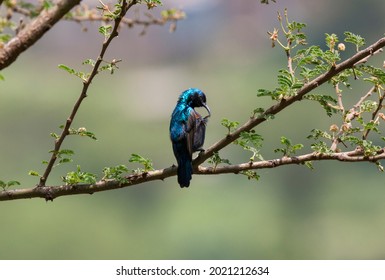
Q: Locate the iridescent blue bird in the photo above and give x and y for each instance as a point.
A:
(187, 131)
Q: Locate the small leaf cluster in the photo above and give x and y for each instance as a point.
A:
(107, 66)
(82, 131)
(109, 173)
(6, 185)
(251, 141)
(288, 85)
(152, 3)
(250, 174)
(328, 103)
(215, 160)
(288, 148)
(63, 155)
(115, 173)
(79, 177)
(320, 146)
(230, 125)
(147, 163)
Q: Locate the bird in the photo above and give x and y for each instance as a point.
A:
(187, 131)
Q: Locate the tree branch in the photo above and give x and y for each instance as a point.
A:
(52, 192)
(34, 31)
(83, 94)
(273, 110)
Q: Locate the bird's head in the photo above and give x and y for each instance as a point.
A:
(195, 98)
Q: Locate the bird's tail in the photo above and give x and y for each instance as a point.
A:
(184, 172)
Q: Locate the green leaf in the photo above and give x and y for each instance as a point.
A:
(296, 26)
(105, 30)
(54, 135)
(89, 62)
(47, 4)
(258, 111)
(230, 125)
(354, 39)
(326, 101)
(13, 183)
(115, 173)
(147, 163)
(65, 160)
(66, 152)
(321, 148)
(289, 149)
(309, 165)
(153, 3)
(331, 57)
(376, 73)
(33, 173)
(215, 160)
(78, 176)
(368, 106)
(251, 174)
(316, 134)
(4, 38)
(331, 41)
(250, 141)
(266, 92)
(66, 68)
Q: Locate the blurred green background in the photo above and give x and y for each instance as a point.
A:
(336, 211)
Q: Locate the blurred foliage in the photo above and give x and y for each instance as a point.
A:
(333, 212)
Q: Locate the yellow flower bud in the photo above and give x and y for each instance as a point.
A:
(341, 47)
(333, 128)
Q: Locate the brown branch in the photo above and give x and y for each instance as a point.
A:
(52, 192)
(255, 121)
(351, 156)
(84, 14)
(83, 94)
(34, 31)
(375, 114)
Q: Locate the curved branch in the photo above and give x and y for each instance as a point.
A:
(34, 31)
(52, 192)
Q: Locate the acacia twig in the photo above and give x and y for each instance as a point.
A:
(83, 94)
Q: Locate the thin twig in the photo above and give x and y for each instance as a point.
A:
(363, 98)
(83, 94)
(339, 98)
(375, 117)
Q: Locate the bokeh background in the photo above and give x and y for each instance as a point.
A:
(336, 211)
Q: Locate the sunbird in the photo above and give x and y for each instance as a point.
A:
(187, 131)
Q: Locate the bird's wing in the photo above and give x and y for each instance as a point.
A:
(191, 129)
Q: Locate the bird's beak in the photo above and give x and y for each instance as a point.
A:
(208, 110)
